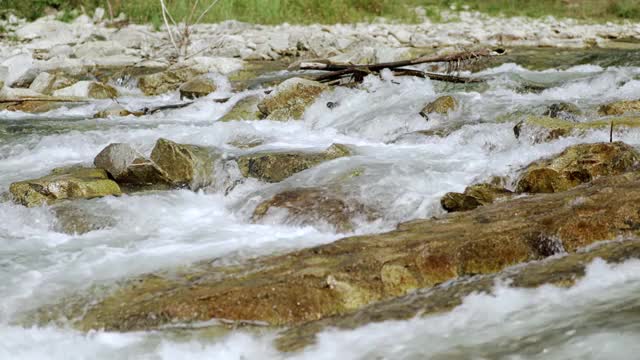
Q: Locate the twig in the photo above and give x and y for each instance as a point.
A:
(110, 10)
(206, 11)
(166, 23)
(611, 132)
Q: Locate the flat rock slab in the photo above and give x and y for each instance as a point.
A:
(351, 273)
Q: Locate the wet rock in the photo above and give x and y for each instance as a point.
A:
(126, 165)
(576, 165)
(114, 110)
(277, 166)
(543, 129)
(313, 206)
(88, 89)
(473, 197)
(64, 183)
(165, 81)
(343, 276)
(442, 105)
(563, 111)
(33, 106)
(186, 165)
(290, 99)
(244, 109)
(620, 107)
(198, 87)
(563, 272)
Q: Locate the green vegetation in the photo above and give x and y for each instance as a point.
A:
(331, 11)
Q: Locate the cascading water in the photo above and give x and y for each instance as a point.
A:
(401, 177)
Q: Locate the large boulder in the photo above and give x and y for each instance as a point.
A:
(313, 206)
(20, 69)
(88, 89)
(277, 166)
(186, 165)
(64, 183)
(576, 165)
(472, 197)
(165, 81)
(290, 99)
(348, 274)
(128, 166)
(197, 87)
(620, 107)
(442, 106)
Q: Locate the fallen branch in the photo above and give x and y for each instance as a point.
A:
(357, 75)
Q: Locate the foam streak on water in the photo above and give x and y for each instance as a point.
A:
(401, 177)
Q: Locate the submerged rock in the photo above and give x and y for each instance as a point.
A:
(576, 165)
(126, 165)
(244, 109)
(198, 87)
(563, 272)
(542, 129)
(290, 99)
(620, 107)
(75, 220)
(442, 105)
(88, 89)
(565, 111)
(186, 165)
(313, 206)
(165, 81)
(64, 183)
(277, 166)
(343, 276)
(473, 197)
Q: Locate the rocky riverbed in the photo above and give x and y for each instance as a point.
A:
(223, 203)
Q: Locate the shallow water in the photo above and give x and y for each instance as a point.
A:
(401, 177)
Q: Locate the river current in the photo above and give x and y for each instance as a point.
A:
(401, 176)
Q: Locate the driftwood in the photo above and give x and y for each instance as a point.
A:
(42, 99)
(356, 72)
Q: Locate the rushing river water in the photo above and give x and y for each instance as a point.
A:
(402, 177)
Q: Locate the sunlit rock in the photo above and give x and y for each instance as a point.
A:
(165, 81)
(473, 197)
(346, 275)
(197, 87)
(277, 166)
(20, 69)
(620, 107)
(313, 206)
(290, 99)
(46, 83)
(64, 183)
(186, 165)
(126, 165)
(442, 106)
(245, 109)
(88, 89)
(576, 165)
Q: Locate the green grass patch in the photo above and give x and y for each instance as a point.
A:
(332, 11)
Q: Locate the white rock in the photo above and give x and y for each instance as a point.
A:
(402, 35)
(18, 93)
(55, 31)
(42, 82)
(98, 15)
(114, 61)
(18, 66)
(98, 49)
(133, 38)
(222, 65)
(4, 73)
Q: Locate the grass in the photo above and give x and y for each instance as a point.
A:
(334, 11)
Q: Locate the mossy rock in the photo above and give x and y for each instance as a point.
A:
(99, 90)
(197, 87)
(63, 184)
(128, 166)
(244, 109)
(277, 166)
(576, 165)
(346, 275)
(314, 206)
(442, 106)
(186, 165)
(290, 99)
(165, 81)
(620, 107)
(472, 197)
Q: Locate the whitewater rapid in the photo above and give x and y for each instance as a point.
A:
(401, 177)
